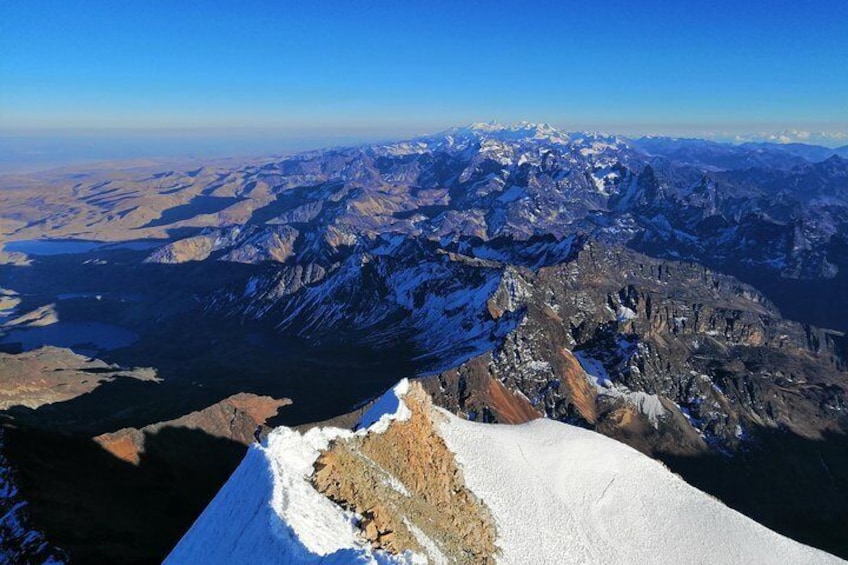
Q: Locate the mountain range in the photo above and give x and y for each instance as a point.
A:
(684, 297)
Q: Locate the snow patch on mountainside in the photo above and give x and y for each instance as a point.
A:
(648, 404)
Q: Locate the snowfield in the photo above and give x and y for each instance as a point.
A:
(558, 494)
(563, 494)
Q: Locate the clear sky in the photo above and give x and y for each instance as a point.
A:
(380, 68)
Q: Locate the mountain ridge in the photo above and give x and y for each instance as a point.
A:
(581, 479)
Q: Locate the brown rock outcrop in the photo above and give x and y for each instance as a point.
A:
(471, 387)
(407, 486)
(234, 418)
(583, 395)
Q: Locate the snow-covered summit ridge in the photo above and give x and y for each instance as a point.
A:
(557, 494)
(540, 132)
(515, 144)
(269, 512)
(493, 136)
(386, 409)
(564, 494)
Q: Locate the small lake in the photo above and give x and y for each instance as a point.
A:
(76, 246)
(82, 337)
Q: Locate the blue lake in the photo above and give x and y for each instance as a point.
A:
(76, 246)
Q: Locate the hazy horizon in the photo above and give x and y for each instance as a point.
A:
(35, 150)
(90, 81)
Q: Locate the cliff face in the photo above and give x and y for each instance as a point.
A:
(667, 356)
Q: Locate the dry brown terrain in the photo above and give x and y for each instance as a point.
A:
(52, 374)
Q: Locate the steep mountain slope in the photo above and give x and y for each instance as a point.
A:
(630, 325)
(546, 492)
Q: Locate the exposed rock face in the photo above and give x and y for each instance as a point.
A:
(274, 245)
(235, 418)
(479, 396)
(667, 356)
(408, 487)
(195, 248)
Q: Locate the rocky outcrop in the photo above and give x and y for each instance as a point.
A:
(194, 248)
(471, 390)
(407, 486)
(664, 355)
(235, 418)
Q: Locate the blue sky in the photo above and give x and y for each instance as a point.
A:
(384, 68)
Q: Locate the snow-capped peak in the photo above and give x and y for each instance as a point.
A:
(521, 131)
(593, 143)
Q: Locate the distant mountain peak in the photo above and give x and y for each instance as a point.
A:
(523, 131)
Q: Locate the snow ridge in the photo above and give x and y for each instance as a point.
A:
(269, 512)
(557, 493)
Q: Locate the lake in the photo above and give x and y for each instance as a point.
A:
(76, 246)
